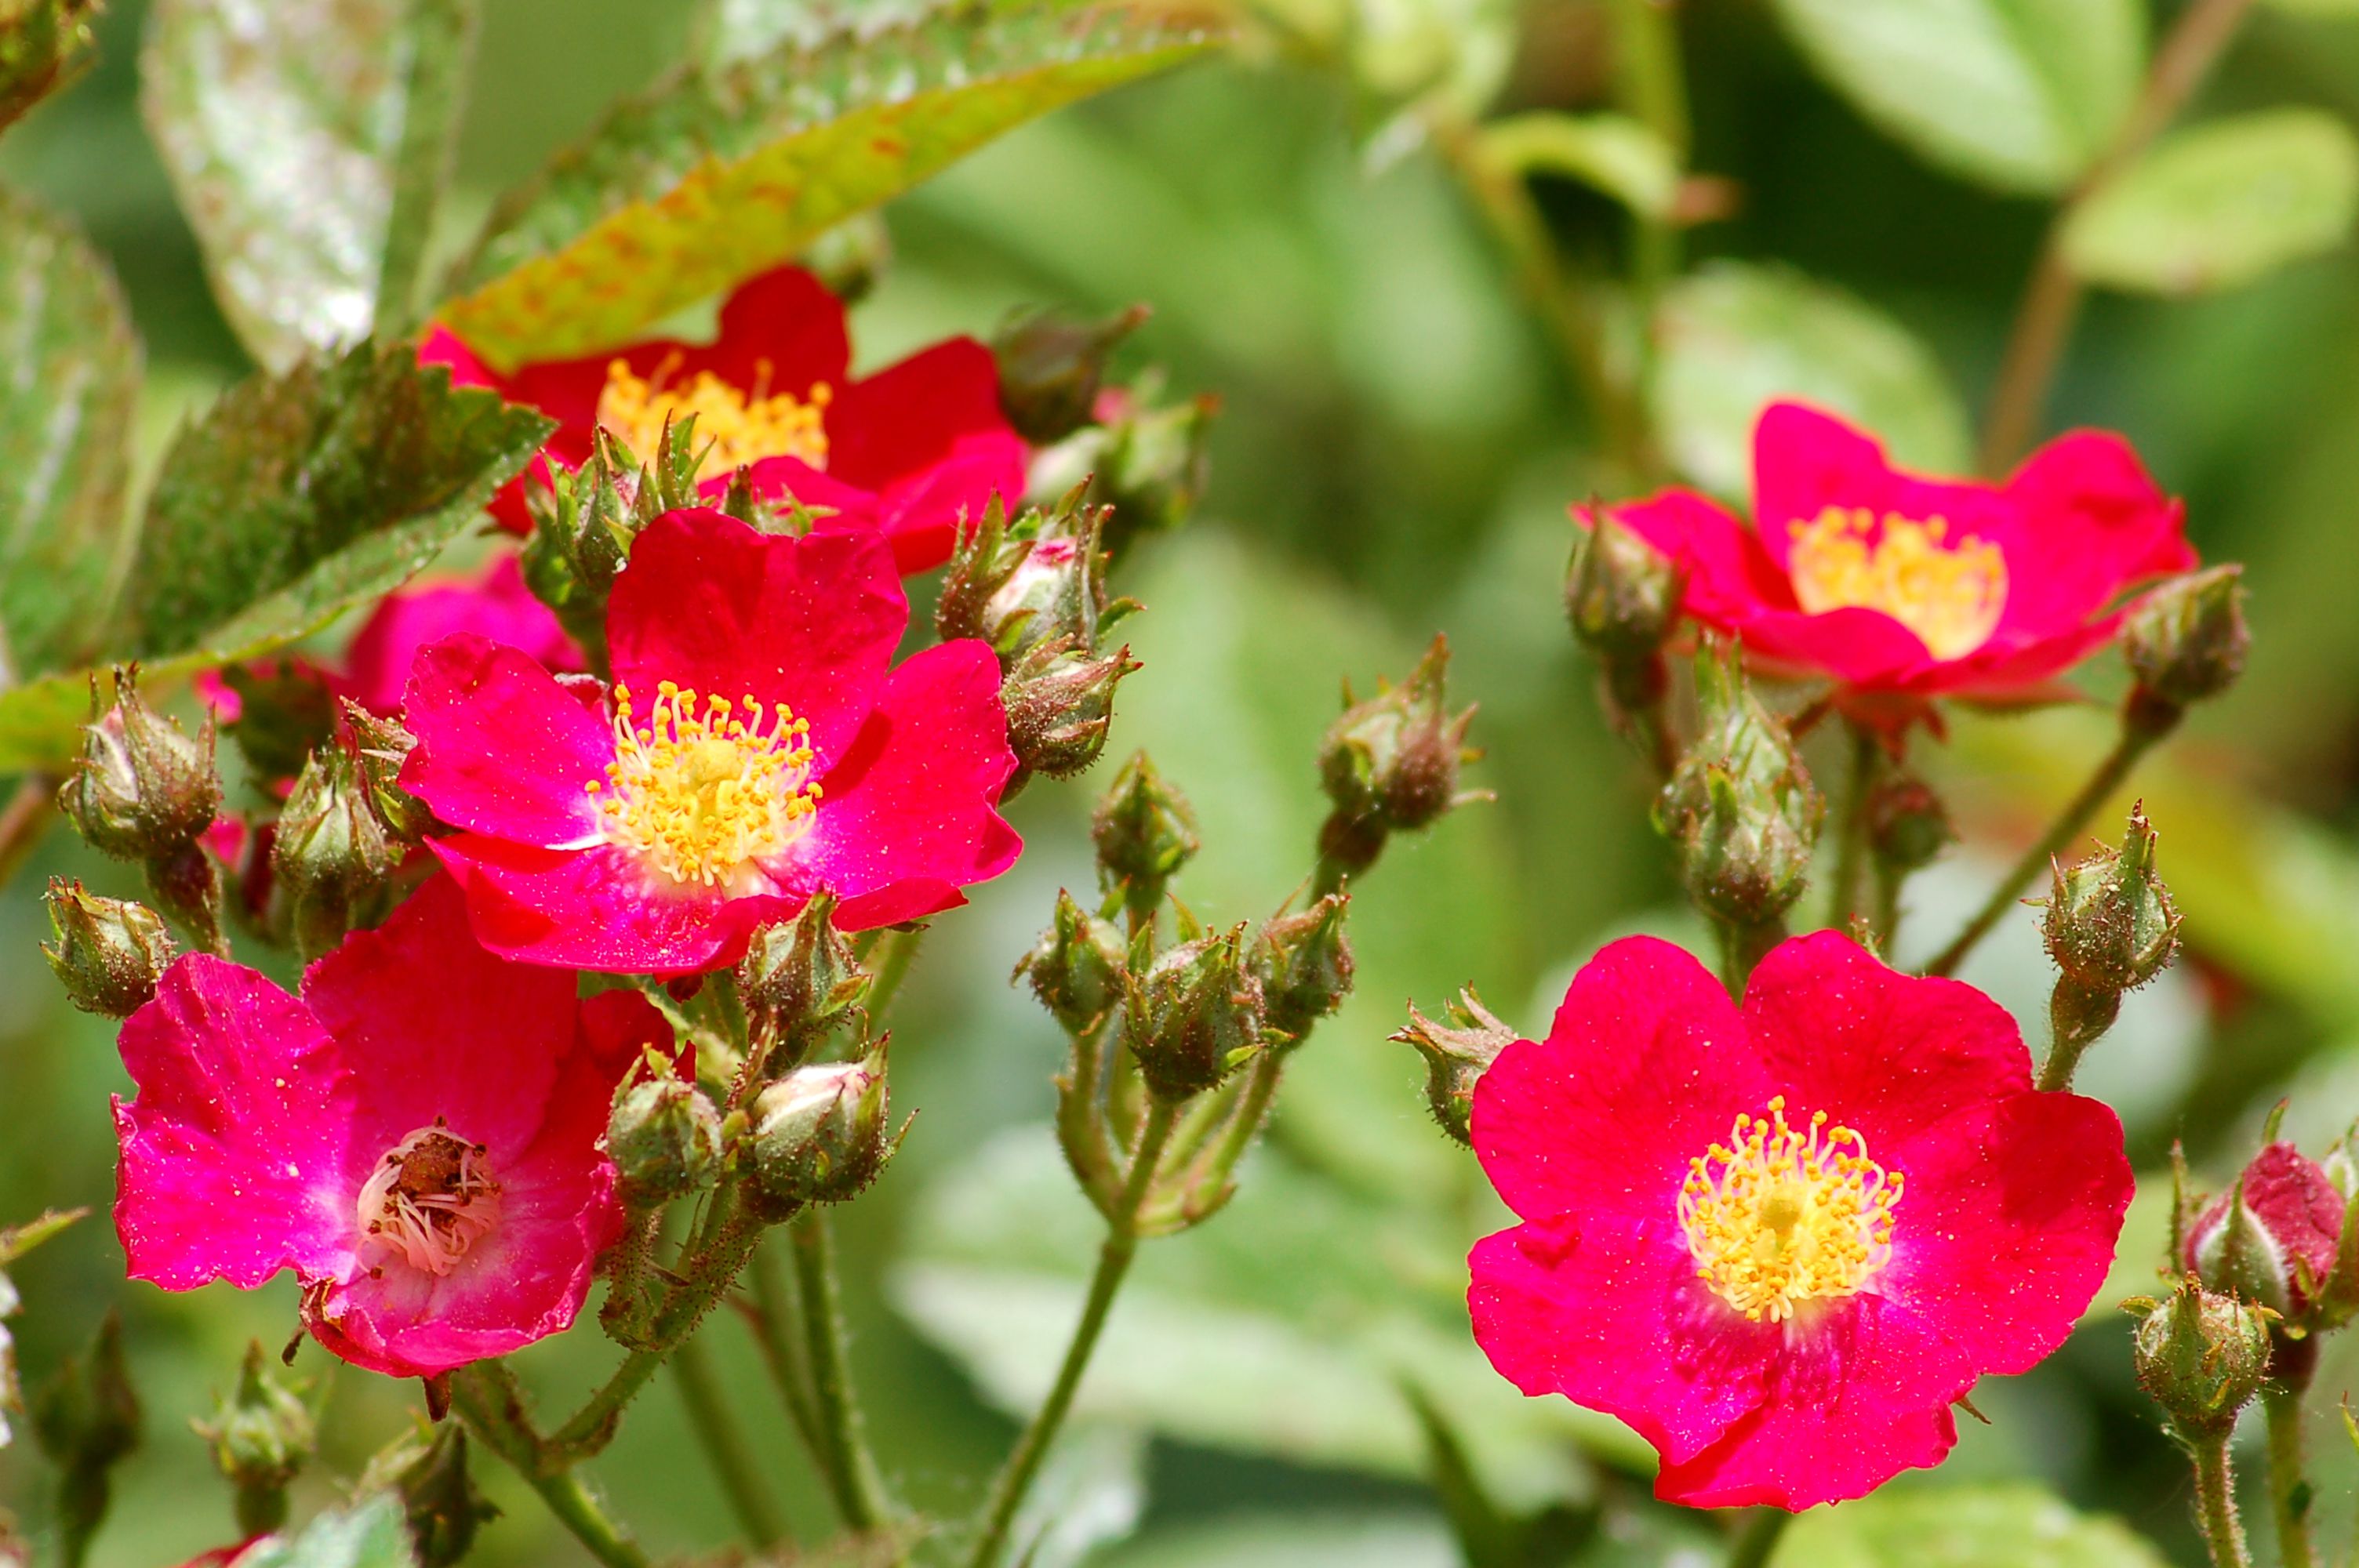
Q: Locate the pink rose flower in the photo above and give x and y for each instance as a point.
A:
(905, 452)
(417, 1137)
(759, 747)
(1780, 1240)
(1903, 587)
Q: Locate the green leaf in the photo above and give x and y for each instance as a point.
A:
(1278, 1328)
(16, 1240)
(371, 1534)
(2220, 205)
(1733, 337)
(281, 126)
(1611, 152)
(2016, 94)
(719, 172)
(296, 498)
(69, 391)
(2014, 1526)
(1295, 1541)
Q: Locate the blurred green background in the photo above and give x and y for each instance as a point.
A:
(1397, 449)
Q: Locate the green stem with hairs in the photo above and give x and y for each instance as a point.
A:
(1851, 850)
(859, 1486)
(2290, 1490)
(487, 1399)
(724, 1446)
(2215, 1504)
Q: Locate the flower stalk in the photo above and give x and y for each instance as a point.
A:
(859, 1486)
(725, 1449)
(2290, 1489)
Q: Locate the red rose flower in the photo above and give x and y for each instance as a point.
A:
(1903, 586)
(757, 747)
(907, 451)
(419, 1136)
(2291, 1230)
(1780, 1240)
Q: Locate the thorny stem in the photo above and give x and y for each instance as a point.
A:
(487, 1399)
(2288, 1489)
(859, 1486)
(443, 37)
(1851, 851)
(23, 821)
(2052, 300)
(724, 1446)
(2215, 1503)
(1113, 1262)
(1757, 1542)
(2137, 738)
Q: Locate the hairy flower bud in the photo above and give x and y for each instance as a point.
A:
(1051, 367)
(330, 853)
(1144, 831)
(1621, 594)
(1078, 966)
(1456, 1057)
(144, 787)
(798, 979)
(2186, 641)
(1156, 462)
(1390, 764)
(87, 1419)
(262, 1435)
(2111, 926)
(2202, 1356)
(1195, 1016)
(2273, 1239)
(440, 1500)
(665, 1140)
(1304, 963)
(1740, 809)
(380, 745)
(108, 952)
(820, 1132)
(1060, 705)
(989, 554)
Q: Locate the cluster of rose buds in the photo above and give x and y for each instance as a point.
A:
(1390, 765)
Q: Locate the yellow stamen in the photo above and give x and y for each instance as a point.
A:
(1777, 1218)
(734, 425)
(1950, 593)
(428, 1201)
(705, 788)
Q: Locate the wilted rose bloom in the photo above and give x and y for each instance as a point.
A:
(1780, 1240)
(1903, 587)
(375, 664)
(416, 1137)
(907, 451)
(757, 747)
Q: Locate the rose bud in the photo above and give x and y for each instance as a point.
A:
(1059, 704)
(1078, 966)
(2111, 926)
(2272, 1239)
(1456, 1056)
(144, 788)
(1196, 1016)
(1304, 965)
(1144, 831)
(330, 853)
(1051, 368)
(665, 1140)
(262, 1436)
(798, 979)
(108, 951)
(1740, 809)
(820, 1132)
(2202, 1356)
(2186, 641)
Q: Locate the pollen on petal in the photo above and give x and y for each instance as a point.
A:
(703, 788)
(736, 427)
(1949, 592)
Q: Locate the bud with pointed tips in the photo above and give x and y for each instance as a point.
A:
(1155, 463)
(108, 952)
(144, 787)
(2111, 926)
(1456, 1057)
(1195, 1015)
(380, 745)
(1059, 704)
(1390, 764)
(1144, 831)
(440, 1500)
(330, 853)
(798, 979)
(2201, 1356)
(87, 1418)
(1621, 594)
(663, 1137)
(820, 1132)
(987, 554)
(2274, 1238)
(1304, 963)
(1740, 808)
(1078, 966)
(262, 1435)
(2186, 641)
(1051, 368)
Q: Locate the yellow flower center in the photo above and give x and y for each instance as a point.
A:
(705, 788)
(1777, 1217)
(733, 426)
(428, 1201)
(1949, 592)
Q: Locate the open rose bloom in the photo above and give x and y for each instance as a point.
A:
(904, 452)
(1780, 1240)
(1902, 587)
(757, 747)
(418, 1136)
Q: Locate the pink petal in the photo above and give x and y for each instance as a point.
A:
(1858, 1397)
(922, 513)
(710, 604)
(2094, 525)
(597, 909)
(1613, 1317)
(1646, 1065)
(233, 1155)
(1805, 462)
(502, 747)
(499, 607)
(1863, 648)
(909, 812)
(907, 416)
(782, 330)
(1731, 578)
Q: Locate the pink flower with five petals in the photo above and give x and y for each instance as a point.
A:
(759, 747)
(418, 1136)
(1780, 1240)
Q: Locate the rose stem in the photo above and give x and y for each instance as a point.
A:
(859, 1486)
(724, 1446)
(2288, 1491)
(2215, 1503)
(1113, 1261)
